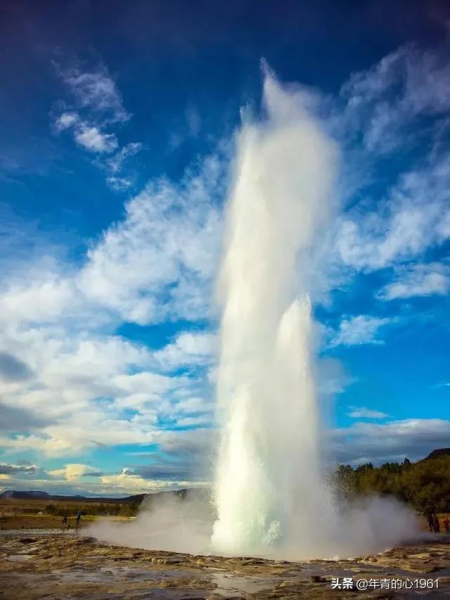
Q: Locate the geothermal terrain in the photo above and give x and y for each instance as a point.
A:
(38, 559)
(57, 565)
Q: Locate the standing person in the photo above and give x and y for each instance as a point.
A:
(436, 526)
(429, 517)
(78, 519)
(446, 525)
(64, 522)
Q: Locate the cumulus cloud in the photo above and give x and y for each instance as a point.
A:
(188, 348)
(12, 368)
(131, 482)
(359, 330)
(74, 471)
(13, 419)
(95, 388)
(392, 441)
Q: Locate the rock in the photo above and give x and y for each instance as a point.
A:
(252, 561)
(166, 560)
(283, 584)
(434, 569)
(317, 579)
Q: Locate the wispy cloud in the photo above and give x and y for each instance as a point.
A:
(95, 111)
(418, 280)
(92, 139)
(366, 413)
(116, 162)
(384, 101)
(160, 259)
(356, 331)
(398, 110)
(96, 90)
(404, 226)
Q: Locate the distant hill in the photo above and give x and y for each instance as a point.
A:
(438, 453)
(32, 495)
(37, 495)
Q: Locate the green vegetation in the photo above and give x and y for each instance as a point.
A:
(424, 485)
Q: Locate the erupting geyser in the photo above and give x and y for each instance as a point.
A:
(271, 497)
(269, 466)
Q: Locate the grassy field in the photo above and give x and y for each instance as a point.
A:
(37, 514)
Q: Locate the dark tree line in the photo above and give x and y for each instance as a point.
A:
(425, 485)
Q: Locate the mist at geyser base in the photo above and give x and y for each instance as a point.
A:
(270, 495)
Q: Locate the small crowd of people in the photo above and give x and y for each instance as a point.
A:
(66, 524)
(433, 522)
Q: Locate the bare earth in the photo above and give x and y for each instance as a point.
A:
(55, 565)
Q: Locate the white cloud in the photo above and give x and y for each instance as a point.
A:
(88, 387)
(399, 106)
(92, 388)
(118, 184)
(73, 471)
(419, 280)
(66, 120)
(384, 101)
(115, 163)
(188, 348)
(366, 413)
(160, 259)
(39, 301)
(92, 139)
(97, 91)
(97, 107)
(404, 226)
(359, 330)
(392, 441)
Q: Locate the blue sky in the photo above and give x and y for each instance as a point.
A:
(117, 124)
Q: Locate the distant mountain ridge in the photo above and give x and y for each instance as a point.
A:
(31, 495)
(38, 495)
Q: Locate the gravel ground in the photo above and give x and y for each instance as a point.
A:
(44, 564)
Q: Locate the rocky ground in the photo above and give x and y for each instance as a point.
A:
(60, 566)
